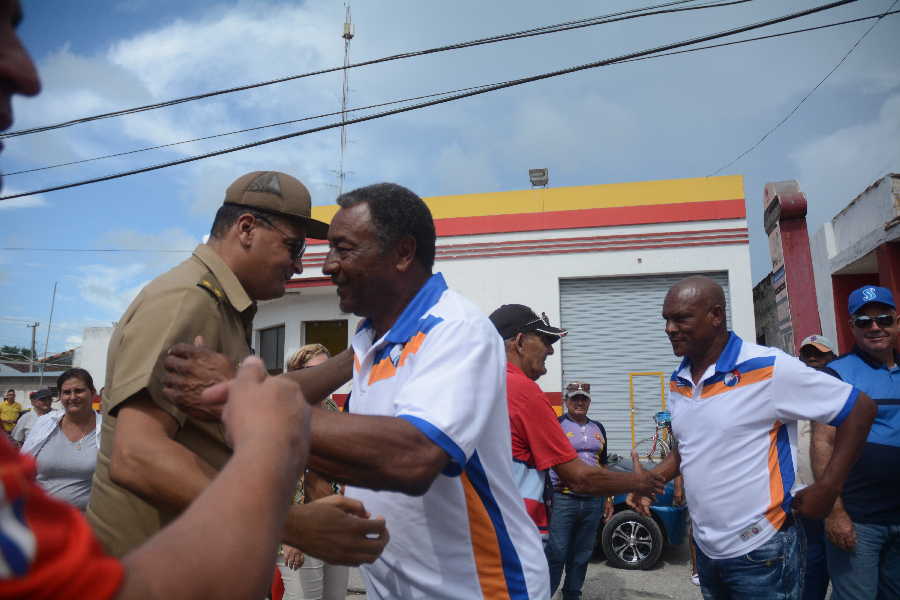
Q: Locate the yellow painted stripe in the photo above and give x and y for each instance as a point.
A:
(611, 195)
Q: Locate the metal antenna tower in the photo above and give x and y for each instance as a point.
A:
(345, 92)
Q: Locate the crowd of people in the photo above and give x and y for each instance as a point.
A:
(434, 477)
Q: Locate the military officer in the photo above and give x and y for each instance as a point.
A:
(155, 459)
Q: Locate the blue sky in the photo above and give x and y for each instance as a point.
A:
(681, 116)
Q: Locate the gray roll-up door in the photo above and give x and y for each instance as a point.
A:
(616, 328)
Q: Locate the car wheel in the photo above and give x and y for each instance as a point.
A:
(632, 541)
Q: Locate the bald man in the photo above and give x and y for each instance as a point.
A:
(735, 407)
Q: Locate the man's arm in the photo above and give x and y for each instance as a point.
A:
(193, 368)
(203, 554)
(817, 500)
(838, 525)
(148, 461)
(386, 453)
(582, 478)
(667, 470)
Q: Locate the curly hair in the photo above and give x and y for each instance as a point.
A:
(305, 354)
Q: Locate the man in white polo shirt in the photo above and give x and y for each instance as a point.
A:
(422, 443)
(735, 407)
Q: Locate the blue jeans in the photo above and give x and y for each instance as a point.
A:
(773, 571)
(872, 570)
(815, 584)
(573, 532)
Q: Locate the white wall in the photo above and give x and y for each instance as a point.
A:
(91, 356)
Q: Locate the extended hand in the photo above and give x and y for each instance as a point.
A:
(608, 509)
(839, 529)
(339, 531)
(815, 501)
(647, 483)
(268, 411)
(191, 369)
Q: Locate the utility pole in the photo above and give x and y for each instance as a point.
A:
(345, 92)
(49, 326)
(33, 327)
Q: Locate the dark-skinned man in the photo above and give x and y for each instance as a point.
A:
(735, 408)
(425, 418)
(154, 458)
(538, 441)
(863, 528)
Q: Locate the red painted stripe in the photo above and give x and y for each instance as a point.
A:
(310, 282)
(589, 217)
(554, 249)
(594, 217)
(662, 236)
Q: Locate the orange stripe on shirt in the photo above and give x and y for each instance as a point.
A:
(485, 546)
(774, 513)
(411, 347)
(684, 390)
(385, 369)
(748, 378)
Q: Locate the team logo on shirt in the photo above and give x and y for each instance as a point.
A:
(732, 379)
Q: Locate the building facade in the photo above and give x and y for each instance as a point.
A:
(597, 259)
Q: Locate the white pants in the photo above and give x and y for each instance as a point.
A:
(315, 580)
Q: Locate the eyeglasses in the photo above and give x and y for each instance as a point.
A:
(297, 248)
(578, 387)
(864, 321)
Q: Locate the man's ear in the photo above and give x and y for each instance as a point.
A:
(244, 228)
(405, 252)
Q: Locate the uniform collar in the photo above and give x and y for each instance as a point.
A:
(407, 324)
(872, 361)
(233, 289)
(727, 360)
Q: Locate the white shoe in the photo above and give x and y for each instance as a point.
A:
(695, 579)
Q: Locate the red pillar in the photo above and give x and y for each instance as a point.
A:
(786, 210)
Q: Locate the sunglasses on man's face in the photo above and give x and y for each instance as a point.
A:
(295, 247)
(579, 387)
(865, 321)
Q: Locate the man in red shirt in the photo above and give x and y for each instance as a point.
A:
(538, 442)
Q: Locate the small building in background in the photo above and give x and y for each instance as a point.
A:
(598, 259)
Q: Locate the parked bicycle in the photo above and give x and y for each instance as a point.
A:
(656, 447)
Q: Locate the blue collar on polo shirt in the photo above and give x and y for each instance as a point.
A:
(407, 324)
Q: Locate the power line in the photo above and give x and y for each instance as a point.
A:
(25, 249)
(811, 92)
(490, 88)
(590, 22)
(444, 93)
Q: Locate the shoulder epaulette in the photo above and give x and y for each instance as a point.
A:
(212, 288)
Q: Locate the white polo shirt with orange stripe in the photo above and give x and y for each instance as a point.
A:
(737, 436)
(441, 367)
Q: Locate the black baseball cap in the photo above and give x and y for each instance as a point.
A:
(511, 319)
(42, 394)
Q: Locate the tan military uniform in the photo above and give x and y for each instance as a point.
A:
(201, 296)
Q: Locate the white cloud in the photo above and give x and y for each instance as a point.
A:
(835, 167)
(110, 289)
(73, 341)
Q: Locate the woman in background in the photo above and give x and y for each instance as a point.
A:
(65, 442)
(307, 575)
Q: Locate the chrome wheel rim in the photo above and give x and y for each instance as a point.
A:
(631, 542)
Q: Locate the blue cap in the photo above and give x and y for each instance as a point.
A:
(869, 293)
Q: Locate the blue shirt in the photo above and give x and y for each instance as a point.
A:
(872, 490)
(589, 441)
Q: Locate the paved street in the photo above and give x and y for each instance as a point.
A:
(669, 580)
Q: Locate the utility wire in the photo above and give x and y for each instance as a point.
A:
(445, 93)
(806, 97)
(484, 90)
(24, 249)
(604, 19)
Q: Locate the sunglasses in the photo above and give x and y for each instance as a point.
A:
(864, 321)
(579, 387)
(296, 248)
